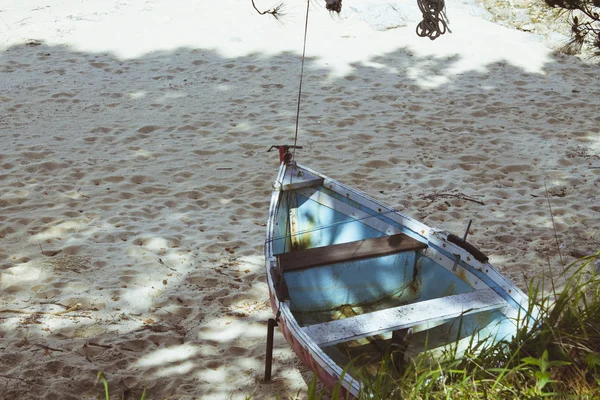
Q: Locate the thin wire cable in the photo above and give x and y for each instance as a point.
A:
(301, 76)
(332, 225)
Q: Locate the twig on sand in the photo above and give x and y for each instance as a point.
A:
(81, 194)
(9, 311)
(54, 303)
(106, 346)
(161, 262)
(48, 348)
(439, 195)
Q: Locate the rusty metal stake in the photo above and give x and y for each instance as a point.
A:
(269, 357)
(456, 260)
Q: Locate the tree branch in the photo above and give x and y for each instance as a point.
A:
(275, 11)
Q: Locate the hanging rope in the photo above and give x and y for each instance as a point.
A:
(435, 22)
(294, 147)
(334, 5)
(301, 76)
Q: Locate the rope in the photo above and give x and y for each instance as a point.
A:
(301, 76)
(435, 22)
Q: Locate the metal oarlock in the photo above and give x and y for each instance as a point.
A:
(284, 152)
(467, 231)
(464, 239)
(269, 356)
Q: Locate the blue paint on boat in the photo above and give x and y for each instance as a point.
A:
(326, 226)
(487, 281)
(489, 326)
(356, 282)
(377, 214)
(281, 239)
(436, 281)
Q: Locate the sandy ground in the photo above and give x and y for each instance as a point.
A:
(135, 179)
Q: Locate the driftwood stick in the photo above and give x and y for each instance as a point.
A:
(9, 311)
(106, 346)
(437, 195)
(43, 346)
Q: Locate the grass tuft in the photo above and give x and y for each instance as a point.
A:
(101, 377)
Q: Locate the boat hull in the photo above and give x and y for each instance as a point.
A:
(332, 250)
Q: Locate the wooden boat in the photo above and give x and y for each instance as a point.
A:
(349, 276)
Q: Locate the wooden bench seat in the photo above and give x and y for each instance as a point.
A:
(344, 252)
(404, 317)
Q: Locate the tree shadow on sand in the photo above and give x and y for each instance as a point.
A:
(152, 177)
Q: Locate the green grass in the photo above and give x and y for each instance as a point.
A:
(102, 378)
(555, 356)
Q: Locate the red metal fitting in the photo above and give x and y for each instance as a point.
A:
(284, 152)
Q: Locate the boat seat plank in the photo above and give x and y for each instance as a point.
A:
(344, 252)
(404, 317)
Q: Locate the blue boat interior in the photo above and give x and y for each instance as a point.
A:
(316, 217)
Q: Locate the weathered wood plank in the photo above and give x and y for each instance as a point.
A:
(403, 317)
(344, 252)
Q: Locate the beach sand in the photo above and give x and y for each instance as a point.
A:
(135, 180)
